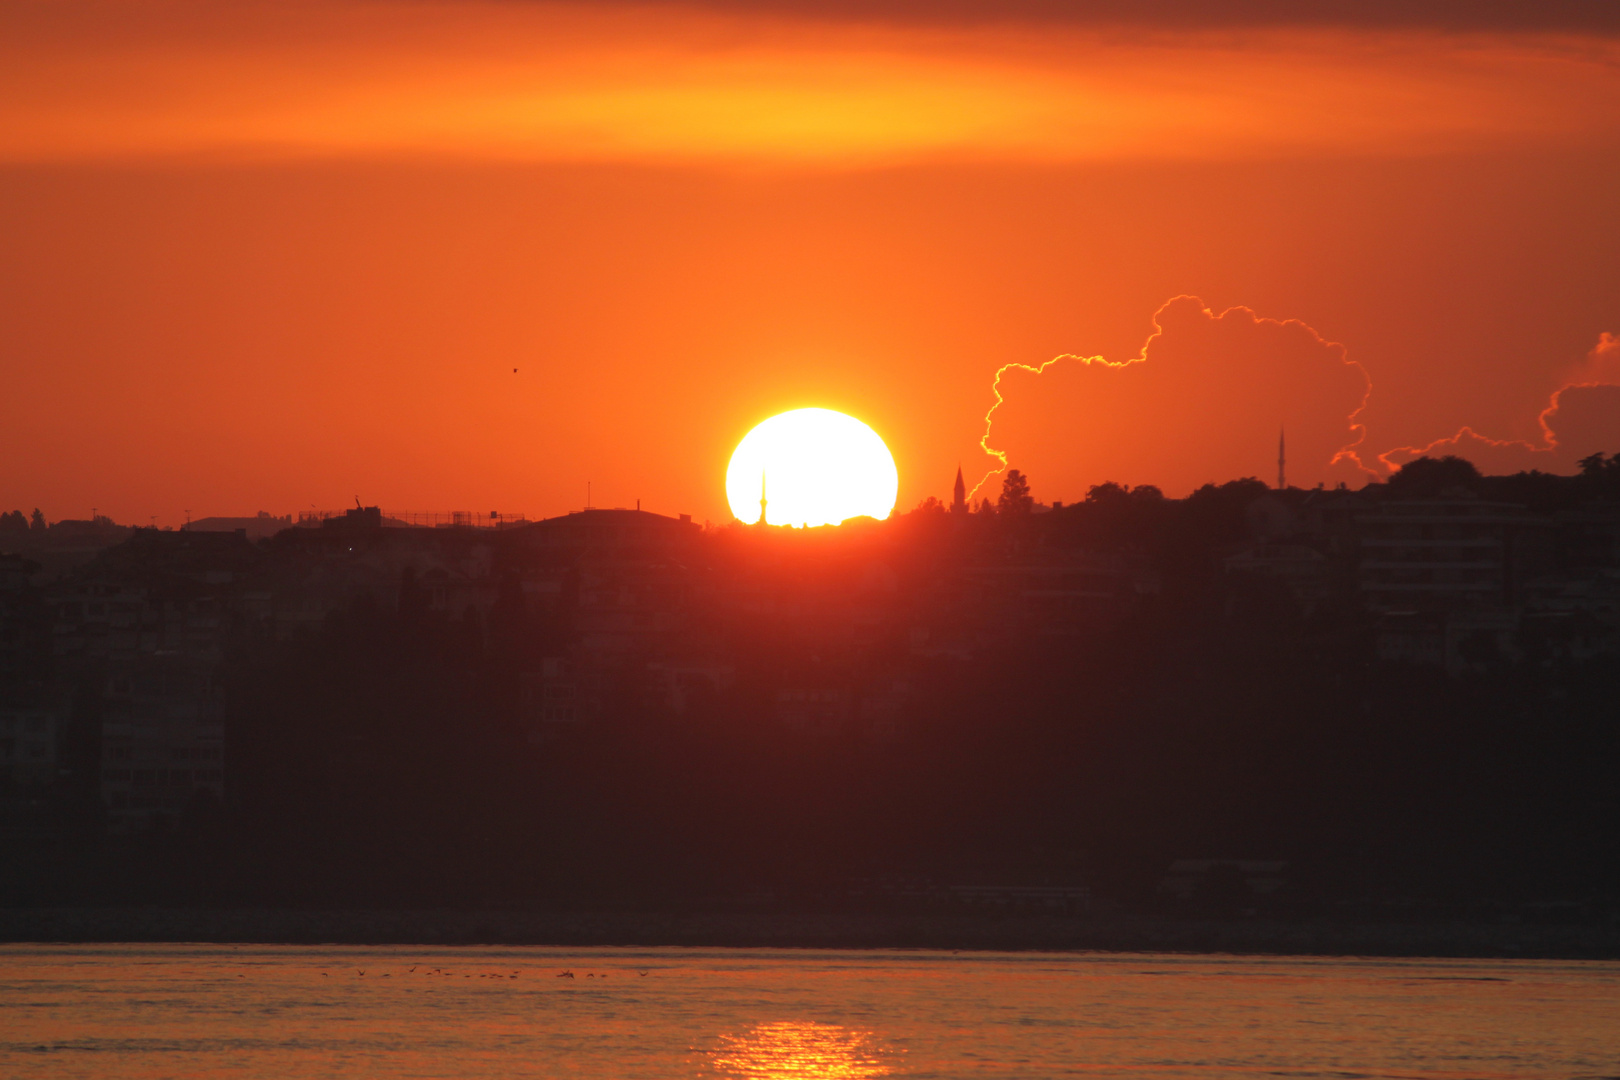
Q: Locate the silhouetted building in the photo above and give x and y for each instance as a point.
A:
(627, 531)
(143, 632)
(1302, 570)
(24, 624)
(550, 696)
(620, 580)
(163, 741)
(28, 747)
(1590, 537)
(1271, 517)
(1449, 552)
(259, 527)
(360, 517)
(16, 573)
(629, 606)
(320, 571)
(161, 592)
(456, 590)
(1328, 520)
(61, 546)
(1059, 595)
(30, 768)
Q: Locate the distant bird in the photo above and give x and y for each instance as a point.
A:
(362, 974)
(566, 975)
(514, 371)
(413, 969)
(324, 975)
(643, 974)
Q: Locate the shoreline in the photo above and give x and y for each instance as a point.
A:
(840, 930)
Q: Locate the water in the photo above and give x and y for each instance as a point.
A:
(285, 1013)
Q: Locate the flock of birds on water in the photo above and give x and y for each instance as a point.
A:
(564, 974)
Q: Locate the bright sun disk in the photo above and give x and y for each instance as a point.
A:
(818, 467)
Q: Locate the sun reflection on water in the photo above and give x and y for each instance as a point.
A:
(793, 1050)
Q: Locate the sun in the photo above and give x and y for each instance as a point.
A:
(817, 467)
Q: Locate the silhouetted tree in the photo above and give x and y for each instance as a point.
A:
(1108, 493)
(1114, 515)
(1600, 478)
(1015, 497)
(1545, 493)
(1118, 495)
(1427, 477)
(37, 522)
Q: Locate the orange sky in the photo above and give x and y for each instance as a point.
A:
(276, 256)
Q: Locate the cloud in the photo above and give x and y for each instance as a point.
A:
(94, 80)
(1581, 418)
(1443, 14)
(1602, 364)
(1204, 401)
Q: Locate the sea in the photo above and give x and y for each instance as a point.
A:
(257, 1012)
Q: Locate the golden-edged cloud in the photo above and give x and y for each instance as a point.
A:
(1204, 402)
(1208, 395)
(1581, 418)
(118, 80)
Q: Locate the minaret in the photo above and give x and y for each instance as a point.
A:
(762, 497)
(1282, 462)
(959, 502)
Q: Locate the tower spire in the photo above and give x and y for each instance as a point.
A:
(1282, 461)
(959, 493)
(762, 496)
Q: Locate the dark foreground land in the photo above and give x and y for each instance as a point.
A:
(815, 930)
(1379, 721)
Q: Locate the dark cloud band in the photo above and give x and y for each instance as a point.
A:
(1459, 15)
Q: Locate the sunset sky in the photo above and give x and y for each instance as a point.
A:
(281, 255)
